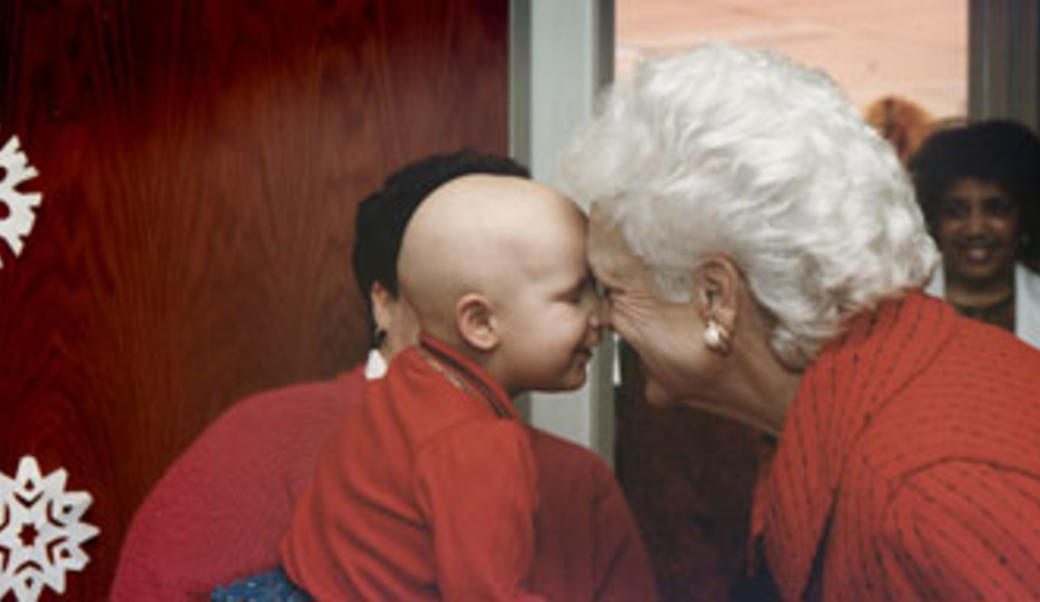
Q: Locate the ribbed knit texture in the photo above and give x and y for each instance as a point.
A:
(914, 444)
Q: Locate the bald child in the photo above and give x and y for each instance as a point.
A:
(428, 489)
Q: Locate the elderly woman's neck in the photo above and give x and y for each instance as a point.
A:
(761, 386)
(757, 392)
(767, 388)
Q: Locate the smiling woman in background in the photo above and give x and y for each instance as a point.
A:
(980, 186)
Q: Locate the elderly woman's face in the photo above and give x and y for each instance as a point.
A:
(666, 335)
(978, 231)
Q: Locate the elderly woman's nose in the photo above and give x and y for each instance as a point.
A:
(592, 305)
(601, 314)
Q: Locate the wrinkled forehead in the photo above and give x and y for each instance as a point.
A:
(609, 254)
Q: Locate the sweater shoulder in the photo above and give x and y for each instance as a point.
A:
(977, 401)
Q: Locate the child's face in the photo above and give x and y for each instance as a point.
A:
(550, 319)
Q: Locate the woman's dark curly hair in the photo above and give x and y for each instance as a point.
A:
(1001, 152)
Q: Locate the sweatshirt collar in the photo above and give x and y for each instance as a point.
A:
(469, 374)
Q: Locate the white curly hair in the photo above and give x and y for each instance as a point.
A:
(745, 153)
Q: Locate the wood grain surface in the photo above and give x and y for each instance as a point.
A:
(200, 163)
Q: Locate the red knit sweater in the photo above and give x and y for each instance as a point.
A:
(909, 466)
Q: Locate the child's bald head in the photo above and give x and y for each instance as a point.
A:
(483, 235)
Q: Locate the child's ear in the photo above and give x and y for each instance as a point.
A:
(474, 319)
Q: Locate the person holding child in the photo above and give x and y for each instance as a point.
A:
(761, 250)
(219, 512)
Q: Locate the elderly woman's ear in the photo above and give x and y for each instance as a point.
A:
(717, 283)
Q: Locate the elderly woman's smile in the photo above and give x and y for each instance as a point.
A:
(658, 331)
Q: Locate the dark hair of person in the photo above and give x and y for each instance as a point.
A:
(999, 152)
(383, 215)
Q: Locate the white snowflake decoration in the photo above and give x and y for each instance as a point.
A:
(40, 531)
(18, 222)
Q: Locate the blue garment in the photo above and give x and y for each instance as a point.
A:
(271, 586)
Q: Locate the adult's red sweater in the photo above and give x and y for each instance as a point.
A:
(909, 465)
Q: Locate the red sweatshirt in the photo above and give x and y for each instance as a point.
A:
(427, 491)
(219, 511)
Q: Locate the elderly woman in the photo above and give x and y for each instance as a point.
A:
(761, 250)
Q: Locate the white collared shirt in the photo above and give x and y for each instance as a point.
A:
(1027, 301)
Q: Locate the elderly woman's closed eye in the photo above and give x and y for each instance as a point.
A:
(764, 253)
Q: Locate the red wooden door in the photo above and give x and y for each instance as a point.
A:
(199, 164)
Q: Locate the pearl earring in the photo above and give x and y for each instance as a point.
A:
(716, 337)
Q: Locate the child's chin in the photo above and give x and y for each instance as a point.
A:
(576, 381)
(567, 383)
